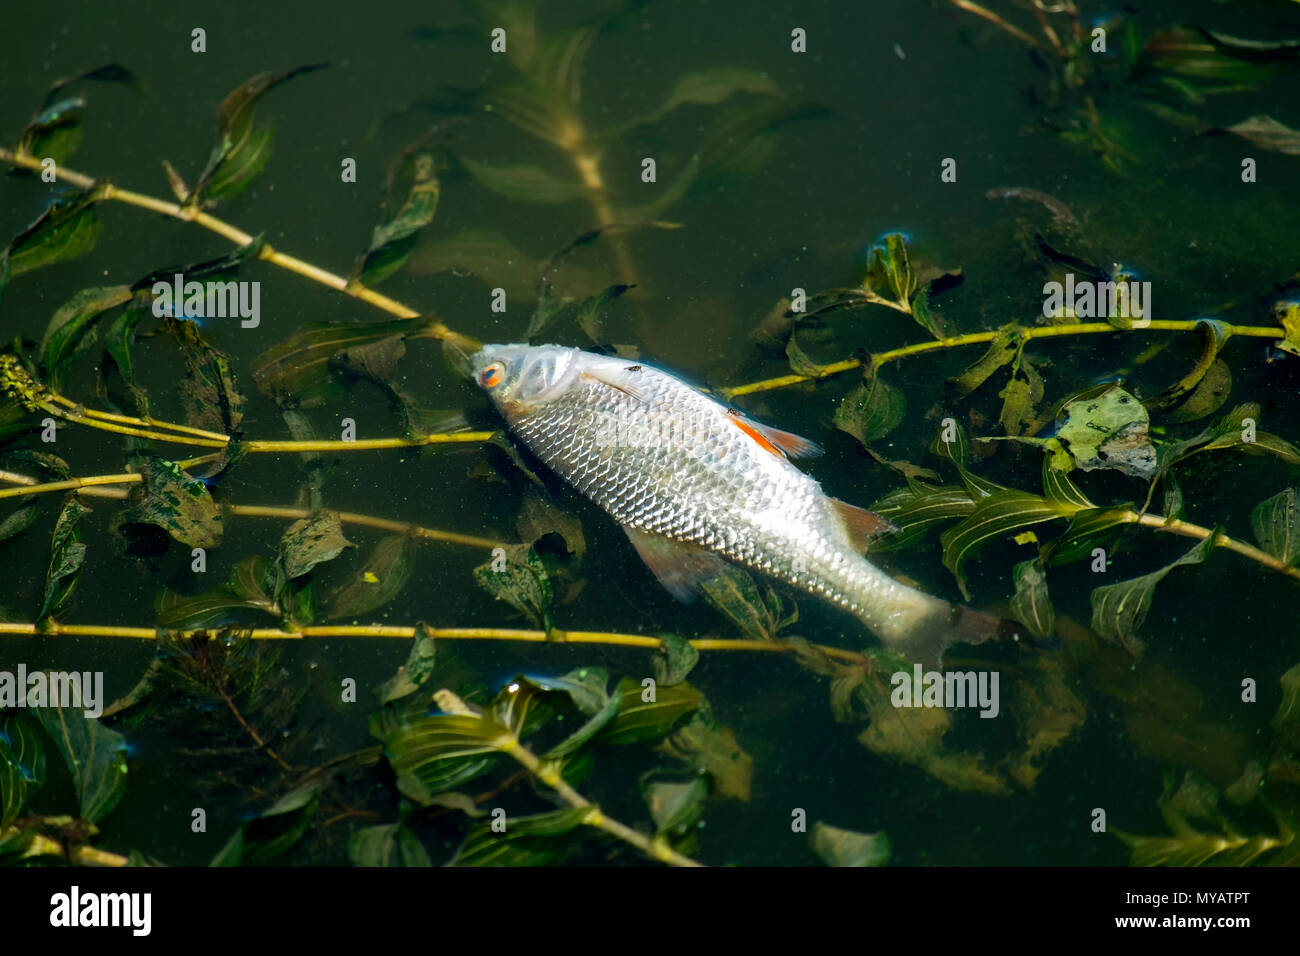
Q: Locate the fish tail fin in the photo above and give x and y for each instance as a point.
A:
(951, 624)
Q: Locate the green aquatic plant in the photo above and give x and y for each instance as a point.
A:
(1022, 459)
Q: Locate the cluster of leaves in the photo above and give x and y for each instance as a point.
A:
(1202, 833)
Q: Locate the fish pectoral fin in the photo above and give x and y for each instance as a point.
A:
(862, 525)
(775, 440)
(629, 382)
(680, 568)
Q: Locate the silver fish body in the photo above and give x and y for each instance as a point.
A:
(691, 480)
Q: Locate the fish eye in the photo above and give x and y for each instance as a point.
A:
(492, 376)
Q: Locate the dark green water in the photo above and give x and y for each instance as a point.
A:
(901, 86)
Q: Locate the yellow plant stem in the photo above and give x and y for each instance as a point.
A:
(975, 338)
(54, 628)
(1187, 529)
(595, 817)
(91, 486)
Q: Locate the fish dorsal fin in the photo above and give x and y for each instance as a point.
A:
(629, 379)
(773, 439)
(862, 525)
(680, 568)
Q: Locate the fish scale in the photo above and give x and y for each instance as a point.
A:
(688, 479)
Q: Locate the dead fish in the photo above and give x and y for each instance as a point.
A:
(694, 482)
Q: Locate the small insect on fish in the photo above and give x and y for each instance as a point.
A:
(694, 482)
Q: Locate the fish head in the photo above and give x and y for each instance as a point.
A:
(518, 378)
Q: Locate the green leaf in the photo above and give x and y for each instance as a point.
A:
(1267, 133)
(673, 660)
(95, 755)
(523, 182)
(839, 847)
(732, 592)
(889, 274)
(393, 240)
(996, 516)
(1118, 610)
(484, 253)
(675, 806)
(67, 555)
(417, 670)
(1276, 523)
(67, 230)
(957, 451)
(1004, 347)
(55, 132)
(527, 841)
(586, 688)
(917, 508)
(380, 580)
(1031, 604)
(704, 87)
(312, 541)
(516, 575)
(66, 335)
(871, 411)
(435, 754)
(271, 833)
(177, 503)
(242, 149)
(386, 845)
(209, 394)
(20, 519)
(646, 714)
(1086, 531)
(1109, 431)
(22, 764)
(299, 367)
(713, 749)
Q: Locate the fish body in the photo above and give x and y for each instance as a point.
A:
(693, 481)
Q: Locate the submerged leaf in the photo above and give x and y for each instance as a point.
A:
(209, 394)
(996, 516)
(1003, 348)
(839, 847)
(67, 554)
(1031, 604)
(1276, 523)
(674, 806)
(417, 670)
(177, 503)
(22, 764)
(241, 149)
(312, 541)
(95, 755)
(299, 367)
(272, 832)
(1267, 133)
(516, 575)
(379, 580)
(393, 240)
(647, 713)
(386, 845)
(871, 411)
(66, 335)
(68, 229)
(526, 841)
(1109, 430)
(674, 660)
(714, 750)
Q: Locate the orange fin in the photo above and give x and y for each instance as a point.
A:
(775, 440)
(862, 525)
(680, 568)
